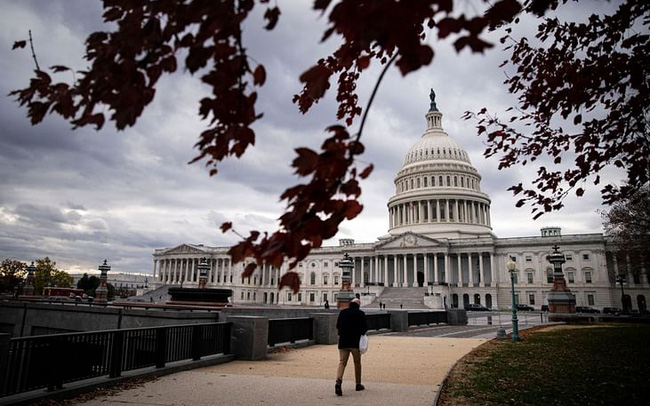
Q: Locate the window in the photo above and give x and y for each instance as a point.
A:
(588, 277)
(411, 183)
(456, 181)
(312, 278)
(433, 181)
(569, 257)
(311, 297)
(325, 278)
(530, 277)
(531, 298)
(336, 279)
(425, 181)
(448, 180)
(248, 295)
(516, 278)
(288, 296)
(529, 258)
(571, 277)
(418, 182)
(242, 296)
(324, 297)
(326, 264)
(313, 264)
(591, 300)
(549, 275)
(300, 297)
(585, 257)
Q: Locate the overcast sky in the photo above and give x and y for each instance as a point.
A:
(83, 196)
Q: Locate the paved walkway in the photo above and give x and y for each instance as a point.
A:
(397, 370)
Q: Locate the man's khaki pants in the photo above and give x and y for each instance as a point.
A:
(344, 354)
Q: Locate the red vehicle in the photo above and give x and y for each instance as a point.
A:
(62, 292)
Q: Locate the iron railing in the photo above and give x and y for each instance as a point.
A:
(426, 318)
(50, 361)
(378, 321)
(290, 330)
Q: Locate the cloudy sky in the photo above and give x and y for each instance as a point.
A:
(83, 196)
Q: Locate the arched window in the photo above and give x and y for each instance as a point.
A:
(312, 278)
(448, 180)
(433, 181)
(325, 279)
(425, 181)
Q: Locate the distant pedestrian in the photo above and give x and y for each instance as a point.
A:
(401, 305)
(380, 306)
(327, 304)
(351, 325)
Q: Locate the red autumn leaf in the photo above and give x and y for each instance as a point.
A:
(272, 15)
(306, 161)
(248, 270)
(290, 280)
(367, 171)
(19, 44)
(259, 76)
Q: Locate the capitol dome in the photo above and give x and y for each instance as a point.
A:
(437, 191)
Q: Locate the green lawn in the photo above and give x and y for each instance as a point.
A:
(588, 365)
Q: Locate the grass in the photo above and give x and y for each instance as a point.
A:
(585, 365)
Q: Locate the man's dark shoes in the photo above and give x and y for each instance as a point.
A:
(337, 389)
(360, 387)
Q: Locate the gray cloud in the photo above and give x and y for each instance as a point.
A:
(83, 196)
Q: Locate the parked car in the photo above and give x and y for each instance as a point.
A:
(525, 307)
(476, 307)
(587, 309)
(612, 310)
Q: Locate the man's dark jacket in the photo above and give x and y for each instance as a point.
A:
(351, 325)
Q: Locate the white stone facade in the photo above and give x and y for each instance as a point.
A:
(439, 238)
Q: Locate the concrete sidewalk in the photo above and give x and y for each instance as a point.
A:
(404, 371)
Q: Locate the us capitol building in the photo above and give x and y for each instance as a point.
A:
(439, 252)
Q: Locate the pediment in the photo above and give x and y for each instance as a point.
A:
(184, 249)
(408, 240)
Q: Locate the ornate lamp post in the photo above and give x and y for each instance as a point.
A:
(28, 290)
(560, 298)
(346, 294)
(203, 267)
(101, 293)
(512, 268)
(621, 280)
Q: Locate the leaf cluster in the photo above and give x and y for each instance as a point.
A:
(592, 77)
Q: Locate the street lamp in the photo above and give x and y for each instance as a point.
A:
(620, 279)
(512, 266)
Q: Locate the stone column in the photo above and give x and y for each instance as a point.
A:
(426, 269)
(470, 270)
(155, 263)
(386, 270)
(459, 271)
(249, 337)
(405, 271)
(435, 268)
(481, 269)
(447, 273)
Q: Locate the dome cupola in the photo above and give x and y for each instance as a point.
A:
(437, 191)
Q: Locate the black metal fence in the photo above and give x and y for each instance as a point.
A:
(50, 361)
(425, 318)
(378, 321)
(290, 330)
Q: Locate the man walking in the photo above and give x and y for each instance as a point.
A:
(351, 325)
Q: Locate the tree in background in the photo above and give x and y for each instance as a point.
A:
(48, 275)
(12, 273)
(88, 284)
(628, 223)
(581, 71)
